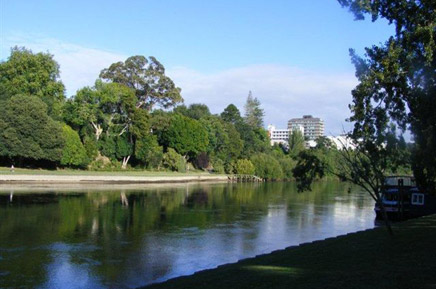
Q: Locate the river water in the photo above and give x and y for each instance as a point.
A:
(125, 237)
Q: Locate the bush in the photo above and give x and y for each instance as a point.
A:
(173, 161)
(73, 152)
(218, 166)
(288, 166)
(267, 167)
(244, 167)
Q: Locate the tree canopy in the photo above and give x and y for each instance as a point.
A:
(253, 113)
(147, 78)
(27, 73)
(27, 132)
(398, 80)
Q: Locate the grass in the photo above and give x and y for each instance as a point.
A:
(369, 259)
(6, 170)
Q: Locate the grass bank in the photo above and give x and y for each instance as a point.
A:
(29, 176)
(368, 259)
(7, 171)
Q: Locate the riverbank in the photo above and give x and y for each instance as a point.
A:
(23, 176)
(367, 259)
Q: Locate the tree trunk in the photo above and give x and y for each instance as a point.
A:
(385, 218)
(98, 130)
(125, 161)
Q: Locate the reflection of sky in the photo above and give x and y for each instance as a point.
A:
(65, 274)
(162, 254)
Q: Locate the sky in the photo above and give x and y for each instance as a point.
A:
(292, 55)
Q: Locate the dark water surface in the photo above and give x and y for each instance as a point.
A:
(118, 237)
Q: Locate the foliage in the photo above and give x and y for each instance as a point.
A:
(202, 161)
(254, 139)
(187, 136)
(253, 113)
(244, 167)
(27, 132)
(287, 164)
(309, 167)
(26, 73)
(218, 166)
(231, 114)
(147, 78)
(73, 152)
(148, 151)
(267, 167)
(397, 80)
(296, 143)
(195, 111)
(173, 161)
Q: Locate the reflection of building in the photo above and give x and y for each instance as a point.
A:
(313, 126)
(281, 136)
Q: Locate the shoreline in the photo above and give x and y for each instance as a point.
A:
(105, 179)
(363, 259)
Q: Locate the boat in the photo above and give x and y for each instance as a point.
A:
(402, 199)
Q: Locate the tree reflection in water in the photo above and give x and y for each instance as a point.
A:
(124, 238)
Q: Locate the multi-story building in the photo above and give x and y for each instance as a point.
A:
(281, 136)
(278, 136)
(313, 126)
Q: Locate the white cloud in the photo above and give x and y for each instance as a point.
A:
(80, 66)
(284, 92)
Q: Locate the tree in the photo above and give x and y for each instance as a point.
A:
(296, 143)
(73, 152)
(109, 111)
(195, 111)
(253, 113)
(187, 136)
(398, 80)
(147, 78)
(255, 139)
(244, 167)
(26, 73)
(267, 167)
(27, 132)
(231, 114)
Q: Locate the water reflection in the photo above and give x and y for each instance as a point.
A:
(125, 238)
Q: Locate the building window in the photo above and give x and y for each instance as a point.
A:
(418, 199)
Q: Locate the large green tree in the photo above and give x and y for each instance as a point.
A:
(186, 135)
(397, 80)
(195, 110)
(29, 73)
(147, 78)
(108, 111)
(231, 114)
(27, 132)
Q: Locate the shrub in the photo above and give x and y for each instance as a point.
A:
(267, 167)
(173, 161)
(73, 153)
(244, 167)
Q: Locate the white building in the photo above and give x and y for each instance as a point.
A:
(313, 126)
(342, 141)
(281, 136)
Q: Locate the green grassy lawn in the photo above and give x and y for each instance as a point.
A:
(369, 259)
(5, 170)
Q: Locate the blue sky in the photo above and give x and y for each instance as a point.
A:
(293, 55)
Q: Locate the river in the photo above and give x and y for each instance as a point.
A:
(130, 236)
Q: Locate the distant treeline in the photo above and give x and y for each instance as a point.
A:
(132, 118)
